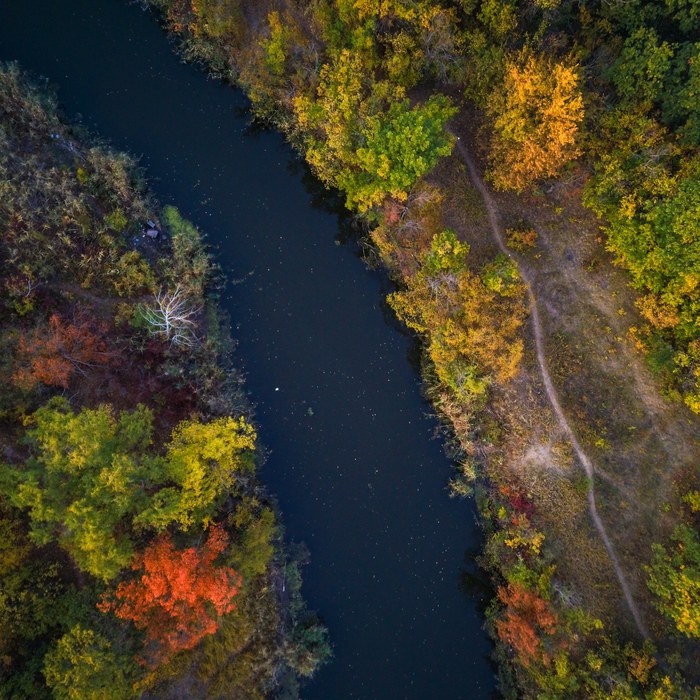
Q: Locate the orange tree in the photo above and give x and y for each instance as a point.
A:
(527, 618)
(178, 596)
(536, 113)
(470, 321)
(53, 355)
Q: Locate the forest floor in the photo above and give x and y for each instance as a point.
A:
(585, 428)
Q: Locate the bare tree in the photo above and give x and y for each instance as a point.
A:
(171, 317)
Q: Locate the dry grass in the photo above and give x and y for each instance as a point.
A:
(638, 440)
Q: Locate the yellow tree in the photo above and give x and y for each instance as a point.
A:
(470, 322)
(202, 464)
(536, 113)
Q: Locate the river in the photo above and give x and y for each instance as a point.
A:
(357, 474)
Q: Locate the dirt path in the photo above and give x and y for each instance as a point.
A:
(551, 391)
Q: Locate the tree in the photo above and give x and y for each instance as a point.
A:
(527, 617)
(92, 479)
(171, 317)
(216, 18)
(202, 462)
(399, 147)
(253, 548)
(470, 323)
(674, 577)
(536, 113)
(366, 139)
(52, 355)
(640, 70)
(189, 266)
(652, 228)
(178, 595)
(83, 480)
(84, 666)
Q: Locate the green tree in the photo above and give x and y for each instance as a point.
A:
(680, 104)
(84, 666)
(674, 577)
(217, 18)
(652, 216)
(92, 479)
(367, 140)
(399, 147)
(200, 467)
(640, 70)
(189, 267)
(83, 479)
(252, 548)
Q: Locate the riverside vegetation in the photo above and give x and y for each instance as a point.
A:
(140, 556)
(571, 104)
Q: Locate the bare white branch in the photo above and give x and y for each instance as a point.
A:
(171, 317)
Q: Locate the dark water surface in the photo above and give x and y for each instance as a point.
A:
(357, 475)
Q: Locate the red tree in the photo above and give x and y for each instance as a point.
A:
(52, 355)
(527, 617)
(179, 595)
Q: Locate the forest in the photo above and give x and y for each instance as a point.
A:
(587, 112)
(140, 555)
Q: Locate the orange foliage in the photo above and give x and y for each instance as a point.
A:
(527, 616)
(536, 115)
(179, 595)
(52, 355)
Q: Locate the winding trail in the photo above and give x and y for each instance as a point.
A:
(583, 458)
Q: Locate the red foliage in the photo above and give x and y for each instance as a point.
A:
(179, 595)
(51, 355)
(518, 501)
(527, 617)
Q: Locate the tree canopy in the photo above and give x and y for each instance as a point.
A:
(178, 595)
(94, 480)
(537, 111)
(470, 322)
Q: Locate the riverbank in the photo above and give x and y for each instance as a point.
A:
(559, 596)
(127, 438)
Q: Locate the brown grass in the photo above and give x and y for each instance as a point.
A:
(638, 440)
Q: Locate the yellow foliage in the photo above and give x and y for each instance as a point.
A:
(536, 115)
(656, 312)
(525, 539)
(472, 331)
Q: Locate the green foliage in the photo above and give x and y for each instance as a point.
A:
(674, 578)
(253, 548)
(686, 13)
(117, 220)
(218, 19)
(502, 276)
(653, 228)
(83, 478)
(447, 254)
(276, 46)
(202, 461)
(680, 106)
(640, 70)
(92, 478)
(190, 266)
(499, 18)
(84, 666)
(132, 275)
(310, 647)
(399, 147)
